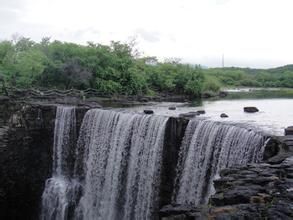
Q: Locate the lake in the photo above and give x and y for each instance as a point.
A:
(273, 117)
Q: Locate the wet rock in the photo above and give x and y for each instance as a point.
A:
(278, 149)
(26, 140)
(250, 109)
(289, 130)
(182, 212)
(176, 209)
(261, 198)
(233, 196)
(175, 129)
(224, 115)
(189, 115)
(256, 191)
(201, 112)
(4, 98)
(257, 188)
(172, 108)
(148, 111)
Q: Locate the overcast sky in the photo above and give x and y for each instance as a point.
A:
(251, 33)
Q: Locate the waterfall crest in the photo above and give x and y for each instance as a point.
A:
(208, 147)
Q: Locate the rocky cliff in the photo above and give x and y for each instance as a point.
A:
(26, 140)
(256, 191)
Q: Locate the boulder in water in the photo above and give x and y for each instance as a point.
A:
(201, 112)
(189, 115)
(148, 111)
(289, 130)
(224, 115)
(250, 109)
(172, 108)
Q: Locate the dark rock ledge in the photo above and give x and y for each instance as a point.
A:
(256, 191)
(26, 140)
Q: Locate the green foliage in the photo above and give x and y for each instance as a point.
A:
(108, 86)
(211, 84)
(278, 77)
(116, 69)
(194, 85)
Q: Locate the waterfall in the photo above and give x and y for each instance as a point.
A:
(112, 171)
(208, 147)
(56, 196)
(116, 171)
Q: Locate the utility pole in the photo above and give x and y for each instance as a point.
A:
(223, 60)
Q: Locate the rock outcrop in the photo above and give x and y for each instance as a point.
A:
(25, 158)
(289, 130)
(26, 140)
(256, 191)
(278, 149)
(174, 133)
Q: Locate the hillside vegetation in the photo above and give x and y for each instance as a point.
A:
(275, 77)
(113, 69)
(117, 69)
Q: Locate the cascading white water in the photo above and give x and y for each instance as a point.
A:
(119, 162)
(56, 196)
(113, 171)
(116, 171)
(208, 147)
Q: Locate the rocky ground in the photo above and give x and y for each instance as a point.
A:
(256, 191)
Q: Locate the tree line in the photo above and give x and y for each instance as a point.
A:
(117, 69)
(281, 77)
(110, 69)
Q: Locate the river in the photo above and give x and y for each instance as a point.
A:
(273, 117)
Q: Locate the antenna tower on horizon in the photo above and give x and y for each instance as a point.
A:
(223, 60)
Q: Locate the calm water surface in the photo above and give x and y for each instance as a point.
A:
(273, 117)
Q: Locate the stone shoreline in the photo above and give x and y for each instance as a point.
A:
(257, 191)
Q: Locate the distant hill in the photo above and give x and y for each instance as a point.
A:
(252, 77)
(280, 69)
